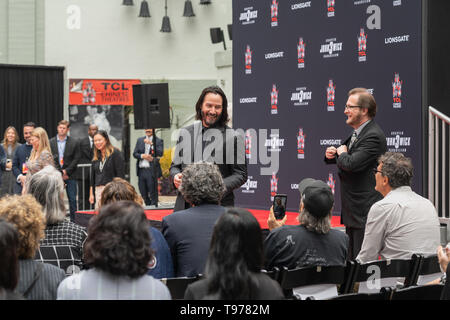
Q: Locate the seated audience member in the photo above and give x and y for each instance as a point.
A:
(444, 257)
(117, 252)
(9, 261)
(313, 242)
(188, 232)
(63, 242)
(37, 280)
(161, 265)
(233, 268)
(402, 223)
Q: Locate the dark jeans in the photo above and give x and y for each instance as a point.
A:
(71, 189)
(147, 186)
(356, 237)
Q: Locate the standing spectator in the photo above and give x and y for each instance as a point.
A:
(66, 150)
(313, 242)
(161, 265)
(9, 266)
(147, 156)
(63, 242)
(403, 222)
(21, 157)
(10, 145)
(37, 280)
(41, 154)
(188, 232)
(117, 252)
(107, 164)
(84, 173)
(233, 269)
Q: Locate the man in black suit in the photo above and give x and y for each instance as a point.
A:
(211, 140)
(188, 232)
(84, 172)
(66, 150)
(356, 159)
(147, 156)
(21, 157)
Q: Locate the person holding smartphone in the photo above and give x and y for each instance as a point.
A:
(313, 242)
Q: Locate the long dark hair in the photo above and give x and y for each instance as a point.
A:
(236, 252)
(9, 259)
(223, 120)
(109, 147)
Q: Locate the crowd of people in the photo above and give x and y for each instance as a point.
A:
(46, 255)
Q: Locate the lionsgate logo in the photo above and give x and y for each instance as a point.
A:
(330, 142)
(274, 13)
(397, 91)
(301, 96)
(331, 48)
(232, 146)
(331, 8)
(248, 100)
(397, 39)
(362, 46)
(248, 60)
(301, 5)
(300, 144)
(301, 53)
(248, 16)
(397, 142)
(250, 186)
(397, 3)
(331, 96)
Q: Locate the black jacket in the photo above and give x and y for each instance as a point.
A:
(71, 156)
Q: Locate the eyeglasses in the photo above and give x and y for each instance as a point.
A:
(351, 107)
(376, 170)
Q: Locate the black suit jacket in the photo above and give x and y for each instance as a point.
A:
(140, 150)
(233, 167)
(86, 155)
(356, 166)
(71, 155)
(188, 234)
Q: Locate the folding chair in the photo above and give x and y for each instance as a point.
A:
(383, 294)
(425, 292)
(428, 269)
(177, 286)
(318, 282)
(372, 276)
(274, 273)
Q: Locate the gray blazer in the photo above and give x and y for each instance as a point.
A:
(233, 167)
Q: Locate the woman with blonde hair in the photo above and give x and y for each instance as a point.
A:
(107, 164)
(9, 144)
(41, 154)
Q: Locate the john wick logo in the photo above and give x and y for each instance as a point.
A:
(248, 16)
(397, 142)
(331, 48)
(301, 53)
(248, 60)
(331, 96)
(250, 186)
(301, 97)
(397, 91)
(274, 13)
(274, 144)
(300, 144)
(331, 182)
(274, 100)
(273, 186)
(331, 8)
(362, 46)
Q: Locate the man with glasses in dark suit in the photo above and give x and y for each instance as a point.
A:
(356, 158)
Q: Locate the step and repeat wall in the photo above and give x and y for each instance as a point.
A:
(294, 62)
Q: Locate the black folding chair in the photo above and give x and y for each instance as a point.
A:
(425, 292)
(428, 269)
(303, 277)
(383, 294)
(274, 273)
(375, 274)
(177, 286)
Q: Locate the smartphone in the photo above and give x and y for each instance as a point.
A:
(279, 206)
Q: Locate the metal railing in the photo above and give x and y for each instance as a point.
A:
(438, 162)
(85, 175)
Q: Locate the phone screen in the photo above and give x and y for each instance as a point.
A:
(279, 206)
